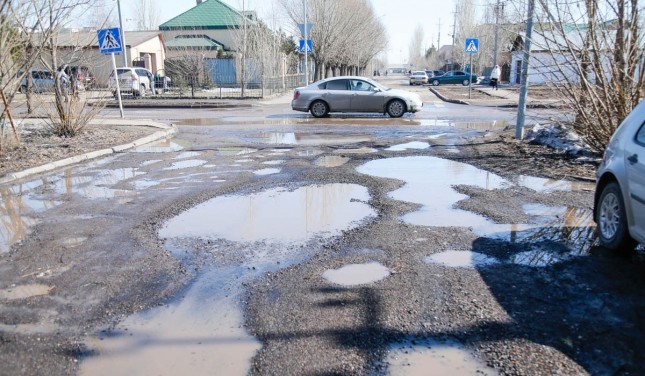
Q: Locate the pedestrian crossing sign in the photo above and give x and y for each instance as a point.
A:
(472, 45)
(110, 40)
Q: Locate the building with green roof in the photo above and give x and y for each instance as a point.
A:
(209, 26)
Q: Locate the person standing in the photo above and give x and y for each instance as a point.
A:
(494, 77)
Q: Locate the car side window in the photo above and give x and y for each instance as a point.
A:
(640, 135)
(460, 74)
(358, 85)
(337, 85)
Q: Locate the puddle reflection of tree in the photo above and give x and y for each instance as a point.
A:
(572, 230)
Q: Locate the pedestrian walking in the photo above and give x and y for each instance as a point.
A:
(494, 77)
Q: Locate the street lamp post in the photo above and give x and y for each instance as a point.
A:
(125, 50)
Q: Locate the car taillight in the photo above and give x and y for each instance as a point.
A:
(296, 95)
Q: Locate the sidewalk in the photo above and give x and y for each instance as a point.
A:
(163, 131)
(493, 98)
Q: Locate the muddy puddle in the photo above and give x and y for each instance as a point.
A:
(429, 182)
(165, 146)
(425, 357)
(202, 330)
(309, 139)
(461, 259)
(331, 161)
(277, 215)
(474, 125)
(24, 291)
(357, 274)
(267, 171)
(409, 145)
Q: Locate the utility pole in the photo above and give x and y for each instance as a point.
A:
(439, 36)
(454, 31)
(125, 50)
(497, 8)
(306, 46)
(521, 109)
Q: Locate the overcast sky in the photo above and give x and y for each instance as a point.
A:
(400, 17)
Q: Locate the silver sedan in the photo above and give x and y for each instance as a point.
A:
(353, 94)
(620, 189)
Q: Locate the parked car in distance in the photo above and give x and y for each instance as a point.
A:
(619, 201)
(353, 94)
(83, 74)
(132, 80)
(418, 78)
(438, 73)
(454, 77)
(40, 81)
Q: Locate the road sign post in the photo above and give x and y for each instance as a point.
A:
(109, 43)
(472, 47)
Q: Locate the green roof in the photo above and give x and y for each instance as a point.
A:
(210, 14)
(194, 42)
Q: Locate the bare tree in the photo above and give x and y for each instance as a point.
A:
(148, 15)
(416, 44)
(595, 61)
(346, 35)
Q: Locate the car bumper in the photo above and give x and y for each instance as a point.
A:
(297, 106)
(415, 106)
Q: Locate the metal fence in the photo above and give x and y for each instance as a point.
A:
(265, 87)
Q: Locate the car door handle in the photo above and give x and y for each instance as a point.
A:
(633, 159)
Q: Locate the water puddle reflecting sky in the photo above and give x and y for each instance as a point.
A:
(429, 181)
(202, 332)
(276, 215)
(291, 138)
(357, 274)
(409, 145)
(434, 358)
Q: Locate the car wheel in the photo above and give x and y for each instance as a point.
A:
(612, 222)
(435, 82)
(396, 108)
(319, 109)
(465, 82)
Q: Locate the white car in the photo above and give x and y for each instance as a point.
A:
(353, 94)
(619, 203)
(132, 80)
(418, 78)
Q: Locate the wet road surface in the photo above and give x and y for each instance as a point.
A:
(346, 245)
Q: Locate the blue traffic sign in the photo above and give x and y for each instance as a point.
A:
(472, 45)
(310, 46)
(110, 40)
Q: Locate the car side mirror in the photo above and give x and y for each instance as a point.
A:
(378, 90)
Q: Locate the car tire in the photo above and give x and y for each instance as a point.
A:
(465, 82)
(435, 82)
(613, 232)
(396, 108)
(319, 109)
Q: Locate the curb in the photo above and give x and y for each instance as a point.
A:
(445, 99)
(167, 131)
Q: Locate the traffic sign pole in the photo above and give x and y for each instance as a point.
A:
(118, 88)
(470, 77)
